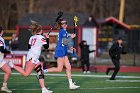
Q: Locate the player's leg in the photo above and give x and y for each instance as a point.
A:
(110, 68)
(68, 67)
(7, 73)
(116, 69)
(83, 65)
(25, 72)
(88, 66)
(68, 72)
(59, 68)
(40, 77)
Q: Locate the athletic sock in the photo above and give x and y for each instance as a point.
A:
(43, 88)
(45, 70)
(4, 84)
(70, 81)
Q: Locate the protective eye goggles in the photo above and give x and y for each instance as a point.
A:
(63, 23)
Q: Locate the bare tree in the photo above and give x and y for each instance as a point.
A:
(5, 6)
(31, 6)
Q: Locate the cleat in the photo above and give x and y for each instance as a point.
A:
(84, 72)
(50, 90)
(11, 64)
(88, 72)
(46, 91)
(5, 89)
(73, 86)
(112, 79)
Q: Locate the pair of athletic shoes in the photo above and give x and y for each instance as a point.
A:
(71, 86)
(5, 89)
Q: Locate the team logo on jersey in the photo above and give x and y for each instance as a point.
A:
(65, 35)
(43, 39)
(1, 43)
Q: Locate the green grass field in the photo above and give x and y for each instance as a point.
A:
(90, 83)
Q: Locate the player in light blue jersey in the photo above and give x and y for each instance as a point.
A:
(61, 53)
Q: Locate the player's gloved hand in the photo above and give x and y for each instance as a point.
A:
(73, 49)
(73, 35)
(45, 35)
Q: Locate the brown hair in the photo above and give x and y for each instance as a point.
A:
(59, 23)
(35, 27)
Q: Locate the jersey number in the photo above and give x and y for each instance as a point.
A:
(33, 41)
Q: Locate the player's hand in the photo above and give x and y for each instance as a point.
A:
(73, 35)
(45, 35)
(73, 49)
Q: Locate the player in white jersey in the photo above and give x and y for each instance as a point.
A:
(35, 43)
(3, 65)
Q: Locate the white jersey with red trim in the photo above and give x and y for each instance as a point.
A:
(2, 43)
(36, 42)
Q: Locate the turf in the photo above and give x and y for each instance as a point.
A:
(90, 83)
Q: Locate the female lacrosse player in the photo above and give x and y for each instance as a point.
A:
(61, 53)
(3, 65)
(35, 43)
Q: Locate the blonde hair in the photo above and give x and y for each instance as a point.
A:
(35, 27)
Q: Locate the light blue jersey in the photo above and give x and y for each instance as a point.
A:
(61, 49)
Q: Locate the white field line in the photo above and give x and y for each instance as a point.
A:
(82, 75)
(137, 81)
(98, 88)
(123, 81)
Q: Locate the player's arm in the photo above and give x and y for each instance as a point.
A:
(29, 46)
(46, 46)
(45, 40)
(2, 49)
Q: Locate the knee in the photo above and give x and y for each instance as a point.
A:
(8, 72)
(117, 68)
(68, 68)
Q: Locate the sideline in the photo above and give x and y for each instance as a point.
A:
(81, 75)
(98, 88)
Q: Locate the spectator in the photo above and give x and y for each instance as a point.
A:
(13, 43)
(116, 49)
(85, 56)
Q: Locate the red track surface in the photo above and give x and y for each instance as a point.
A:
(101, 68)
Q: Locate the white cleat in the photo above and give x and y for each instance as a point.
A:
(11, 64)
(84, 72)
(46, 91)
(88, 72)
(5, 89)
(73, 86)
